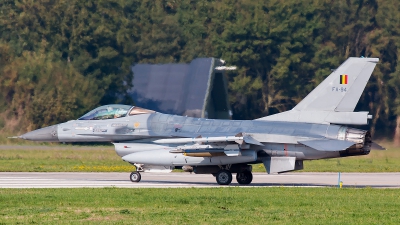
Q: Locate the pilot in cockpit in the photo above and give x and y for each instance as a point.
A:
(114, 111)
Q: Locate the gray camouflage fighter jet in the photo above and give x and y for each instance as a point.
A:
(313, 129)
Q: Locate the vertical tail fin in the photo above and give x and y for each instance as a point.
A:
(334, 100)
(342, 89)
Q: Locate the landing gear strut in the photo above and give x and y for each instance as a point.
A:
(244, 177)
(135, 175)
(224, 177)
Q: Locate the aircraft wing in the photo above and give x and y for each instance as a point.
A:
(327, 144)
(238, 139)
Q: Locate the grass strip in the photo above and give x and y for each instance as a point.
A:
(232, 205)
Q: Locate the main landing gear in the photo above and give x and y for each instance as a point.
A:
(224, 177)
(244, 177)
(223, 174)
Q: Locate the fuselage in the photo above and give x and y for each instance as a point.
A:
(139, 132)
(279, 138)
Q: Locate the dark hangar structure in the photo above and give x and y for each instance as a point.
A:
(197, 89)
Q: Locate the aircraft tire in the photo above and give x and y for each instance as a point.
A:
(135, 177)
(224, 177)
(244, 177)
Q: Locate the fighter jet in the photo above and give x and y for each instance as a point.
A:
(316, 128)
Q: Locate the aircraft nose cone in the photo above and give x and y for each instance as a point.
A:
(44, 134)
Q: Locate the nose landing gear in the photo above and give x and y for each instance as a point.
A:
(135, 176)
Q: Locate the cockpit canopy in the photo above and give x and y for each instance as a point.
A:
(106, 112)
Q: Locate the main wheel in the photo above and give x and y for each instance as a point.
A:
(244, 177)
(224, 177)
(135, 176)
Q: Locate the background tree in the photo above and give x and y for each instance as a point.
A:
(75, 55)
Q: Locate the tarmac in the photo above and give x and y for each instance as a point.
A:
(187, 180)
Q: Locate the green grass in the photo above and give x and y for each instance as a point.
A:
(69, 158)
(62, 159)
(280, 205)
(376, 161)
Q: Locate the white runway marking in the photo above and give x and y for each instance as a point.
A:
(179, 180)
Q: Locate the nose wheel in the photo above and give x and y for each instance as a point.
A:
(135, 176)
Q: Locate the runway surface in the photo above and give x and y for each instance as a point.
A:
(180, 180)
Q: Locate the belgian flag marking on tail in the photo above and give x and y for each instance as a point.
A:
(343, 79)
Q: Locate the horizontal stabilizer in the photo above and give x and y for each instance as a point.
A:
(375, 146)
(327, 144)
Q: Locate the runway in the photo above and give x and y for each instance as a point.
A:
(185, 180)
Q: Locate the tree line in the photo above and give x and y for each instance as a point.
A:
(59, 59)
